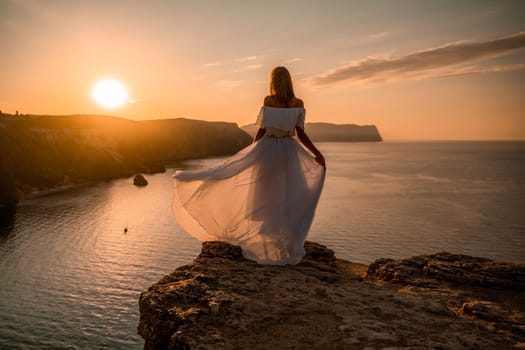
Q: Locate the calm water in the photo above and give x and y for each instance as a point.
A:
(70, 277)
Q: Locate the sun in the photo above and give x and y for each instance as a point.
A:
(109, 93)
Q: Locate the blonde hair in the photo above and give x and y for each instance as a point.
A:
(281, 84)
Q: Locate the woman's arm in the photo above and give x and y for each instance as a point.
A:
(260, 133)
(268, 101)
(305, 140)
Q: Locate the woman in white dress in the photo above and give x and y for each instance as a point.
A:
(264, 197)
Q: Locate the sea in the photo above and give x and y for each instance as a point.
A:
(70, 276)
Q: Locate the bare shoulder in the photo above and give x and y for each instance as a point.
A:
(297, 102)
(268, 101)
(271, 101)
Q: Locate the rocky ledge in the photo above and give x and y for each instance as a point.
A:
(439, 301)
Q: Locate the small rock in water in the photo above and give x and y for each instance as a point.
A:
(139, 180)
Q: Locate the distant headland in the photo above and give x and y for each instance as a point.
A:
(327, 132)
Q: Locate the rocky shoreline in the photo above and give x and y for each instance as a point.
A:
(439, 301)
(41, 153)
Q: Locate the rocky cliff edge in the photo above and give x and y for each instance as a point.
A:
(439, 301)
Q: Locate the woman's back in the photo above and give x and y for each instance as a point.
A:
(273, 101)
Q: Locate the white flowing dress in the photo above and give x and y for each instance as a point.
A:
(263, 198)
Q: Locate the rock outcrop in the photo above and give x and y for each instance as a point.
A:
(139, 180)
(454, 269)
(223, 301)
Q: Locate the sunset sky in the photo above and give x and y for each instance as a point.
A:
(416, 69)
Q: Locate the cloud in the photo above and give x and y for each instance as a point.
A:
(254, 66)
(481, 69)
(248, 67)
(378, 36)
(228, 84)
(212, 64)
(235, 62)
(246, 58)
(440, 61)
(295, 59)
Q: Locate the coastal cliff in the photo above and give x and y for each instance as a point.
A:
(439, 301)
(43, 152)
(327, 132)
